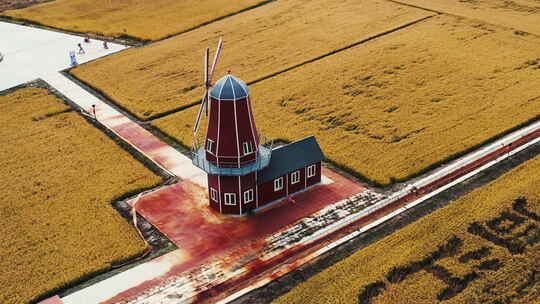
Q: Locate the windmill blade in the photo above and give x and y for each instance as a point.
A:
(206, 81)
(206, 61)
(206, 102)
(216, 57)
(199, 115)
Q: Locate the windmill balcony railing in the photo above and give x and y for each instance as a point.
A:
(263, 159)
(264, 155)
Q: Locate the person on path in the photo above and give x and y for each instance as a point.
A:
(87, 38)
(105, 46)
(81, 50)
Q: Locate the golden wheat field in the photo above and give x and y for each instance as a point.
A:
(148, 20)
(397, 105)
(168, 74)
(522, 15)
(482, 248)
(59, 174)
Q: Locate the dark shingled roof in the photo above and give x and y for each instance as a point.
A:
(291, 157)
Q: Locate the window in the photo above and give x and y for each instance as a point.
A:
(295, 177)
(213, 194)
(209, 145)
(230, 198)
(278, 184)
(311, 170)
(248, 147)
(248, 196)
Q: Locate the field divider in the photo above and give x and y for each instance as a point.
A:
(213, 21)
(420, 8)
(293, 67)
(401, 27)
(457, 15)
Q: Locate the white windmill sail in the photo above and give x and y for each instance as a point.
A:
(207, 83)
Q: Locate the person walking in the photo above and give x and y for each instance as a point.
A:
(81, 50)
(105, 46)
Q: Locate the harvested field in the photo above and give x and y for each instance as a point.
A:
(168, 75)
(397, 105)
(59, 174)
(482, 248)
(522, 15)
(147, 20)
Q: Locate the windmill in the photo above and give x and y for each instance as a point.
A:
(207, 84)
(242, 175)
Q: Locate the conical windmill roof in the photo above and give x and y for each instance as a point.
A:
(229, 88)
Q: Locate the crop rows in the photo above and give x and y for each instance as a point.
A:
(147, 20)
(482, 248)
(168, 75)
(522, 15)
(397, 105)
(59, 175)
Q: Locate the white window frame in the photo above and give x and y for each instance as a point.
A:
(230, 199)
(278, 184)
(213, 194)
(311, 170)
(209, 145)
(248, 196)
(295, 177)
(247, 147)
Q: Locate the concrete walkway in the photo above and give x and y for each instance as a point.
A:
(165, 156)
(30, 52)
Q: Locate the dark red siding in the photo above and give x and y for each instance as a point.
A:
(231, 184)
(212, 129)
(229, 126)
(267, 193)
(213, 183)
(314, 179)
(248, 182)
(252, 121)
(246, 131)
(300, 184)
(227, 145)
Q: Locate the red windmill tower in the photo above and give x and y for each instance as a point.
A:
(239, 167)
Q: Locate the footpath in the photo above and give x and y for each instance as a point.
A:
(165, 156)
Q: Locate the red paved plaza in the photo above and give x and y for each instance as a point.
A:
(181, 212)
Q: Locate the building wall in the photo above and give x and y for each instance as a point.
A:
(247, 131)
(232, 184)
(231, 124)
(212, 129)
(226, 143)
(301, 183)
(248, 182)
(310, 181)
(252, 121)
(267, 194)
(263, 193)
(266, 191)
(213, 183)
